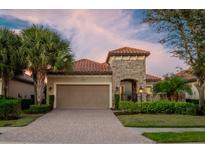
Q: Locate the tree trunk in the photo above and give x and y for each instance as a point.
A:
(200, 88)
(201, 98)
(35, 87)
(5, 85)
(169, 96)
(39, 85)
(177, 97)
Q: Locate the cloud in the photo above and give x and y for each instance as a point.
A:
(94, 32)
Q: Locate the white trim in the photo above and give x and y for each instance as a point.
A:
(83, 83)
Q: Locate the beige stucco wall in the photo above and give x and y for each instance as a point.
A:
(0, 86)
(195, 94)
(25, 90)
(51, 79)
(149, 83)
(149, 87)
(61, 79)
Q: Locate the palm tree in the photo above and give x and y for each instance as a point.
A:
(172, 85)
(44, 49)
(11, 60)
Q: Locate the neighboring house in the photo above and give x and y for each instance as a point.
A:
(150, 80)
(187, 74)
(92, 85)
(21, 86)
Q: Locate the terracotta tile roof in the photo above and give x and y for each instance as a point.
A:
(187, 74)
(87, 67)
(152, 78)
(24, 78)
(127, 51)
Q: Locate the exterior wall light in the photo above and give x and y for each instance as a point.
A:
(141, 91)
(50, 88)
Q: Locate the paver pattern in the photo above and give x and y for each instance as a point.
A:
(74, 126)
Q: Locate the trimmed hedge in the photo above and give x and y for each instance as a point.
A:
(51, 100)
(159, 107)
(10, 109)
(35, 109)
(117, 101)
(194, 101)
(26, 103)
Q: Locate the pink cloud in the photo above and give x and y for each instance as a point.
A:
(95, 32)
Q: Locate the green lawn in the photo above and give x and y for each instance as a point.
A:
(162, 120)
(182, 137)
(23, 121)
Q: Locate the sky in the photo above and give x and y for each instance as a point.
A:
(93, 33)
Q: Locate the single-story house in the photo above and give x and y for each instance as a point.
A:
(187, 74)
(92, 85)
(21, 86)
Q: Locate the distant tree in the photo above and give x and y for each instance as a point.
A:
(172, 86)
(184, 34)
(11, 60)
(44, 49)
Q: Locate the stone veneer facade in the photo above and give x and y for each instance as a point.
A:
(129, 67)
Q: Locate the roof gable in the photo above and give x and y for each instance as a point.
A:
(127, 51)
(152, 78)
(187, 74)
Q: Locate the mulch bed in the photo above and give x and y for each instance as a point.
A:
(118, 112)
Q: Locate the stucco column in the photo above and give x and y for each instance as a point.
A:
(115, 86)
(142, 83)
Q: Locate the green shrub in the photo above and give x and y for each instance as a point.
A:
(51, 100)
(117, 101)
(194, 101)
(10, 109)
(164, 106)
(26, 103)
(35, 109)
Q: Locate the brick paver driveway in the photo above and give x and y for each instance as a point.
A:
(74, 126)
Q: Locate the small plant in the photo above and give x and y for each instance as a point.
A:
(117, 101)
(37, 109)
(26, 103)
(172, 85)
(51, 100)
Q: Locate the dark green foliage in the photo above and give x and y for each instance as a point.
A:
(44, 47)
(172, 85)
(11, 58)
(51, 100)
(194, 101)
(36, 109)
(117, 101)
(25, 103)
(167, 107)
(10, 109)
(184, 34)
